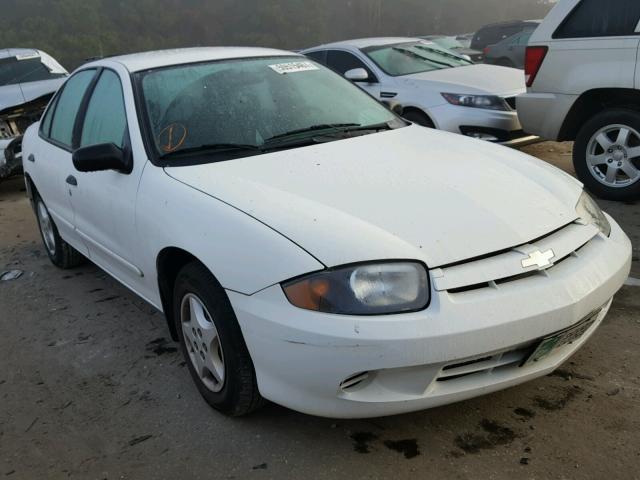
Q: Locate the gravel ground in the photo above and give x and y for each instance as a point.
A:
(92, 387)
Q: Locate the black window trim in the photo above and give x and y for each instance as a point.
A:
(54, 104)
(556, 33)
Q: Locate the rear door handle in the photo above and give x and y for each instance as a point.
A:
(31, 158)
(71, 180)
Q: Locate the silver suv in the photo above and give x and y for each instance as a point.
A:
(584, 86)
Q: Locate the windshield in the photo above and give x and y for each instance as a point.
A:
(31, 68)
(447, 42)
(415, 57)
(249, 103)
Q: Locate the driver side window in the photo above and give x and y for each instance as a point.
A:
(341, 62)
(106, 119)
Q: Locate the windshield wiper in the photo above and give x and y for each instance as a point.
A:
(213, 148)
(377, 127)
(338, 127)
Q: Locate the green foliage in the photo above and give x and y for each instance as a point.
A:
(74, 30)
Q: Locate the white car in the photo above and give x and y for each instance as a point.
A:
(436, 88)
(310, 247)
(584, 86)
(28, 80)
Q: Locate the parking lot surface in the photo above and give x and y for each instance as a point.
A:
(91, 386)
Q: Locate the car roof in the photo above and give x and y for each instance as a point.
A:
(137, 62)
(14, 52)
(361, 43)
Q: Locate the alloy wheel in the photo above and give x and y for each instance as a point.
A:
(613, 156)
(46, 227)
(202, 342)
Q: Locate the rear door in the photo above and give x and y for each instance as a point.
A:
(598, 43)
(51, 159)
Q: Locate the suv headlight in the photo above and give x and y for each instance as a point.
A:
(489, 102)
(591, 214)
(370, 289)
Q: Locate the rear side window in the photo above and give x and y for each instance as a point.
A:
(68, 105)
(595, 18)
(105, 120)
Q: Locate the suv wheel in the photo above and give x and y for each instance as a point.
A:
(212, 343)
(606, 155)
(60, 253)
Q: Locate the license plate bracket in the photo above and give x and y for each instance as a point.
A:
(550, 344)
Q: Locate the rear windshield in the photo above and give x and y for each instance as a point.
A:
(25, 69)
(414, 57)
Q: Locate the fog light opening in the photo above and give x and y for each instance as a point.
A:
(483, 136)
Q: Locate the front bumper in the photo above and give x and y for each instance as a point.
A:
(504, 126)
(301, 358)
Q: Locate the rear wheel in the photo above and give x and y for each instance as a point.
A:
(415, 116)
(606, 155)
(60, 253)
(212, 343)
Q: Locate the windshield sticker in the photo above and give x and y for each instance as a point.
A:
(293, 67)
(29, 56)
(171, 138)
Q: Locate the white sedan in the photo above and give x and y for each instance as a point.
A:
(310, 247)
(437, 87)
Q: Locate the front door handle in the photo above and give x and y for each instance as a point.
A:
(71, 180)
(31, 158)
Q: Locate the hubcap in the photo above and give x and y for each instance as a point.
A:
(46, 227)
(613, 156)
(202, 342)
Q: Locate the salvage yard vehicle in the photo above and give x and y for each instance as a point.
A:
(436, 88)
(310, 247)
(496, 32)
(510, 52)
(28, 80)
(584, 86)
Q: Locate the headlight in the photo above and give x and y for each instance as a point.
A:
(372, 289)
(591, 214)
(490, 102)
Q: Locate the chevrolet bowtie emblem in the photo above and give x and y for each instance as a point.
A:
(539, 259)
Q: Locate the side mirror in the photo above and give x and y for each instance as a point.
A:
(395, 107)
(99, 158)
(357, 75)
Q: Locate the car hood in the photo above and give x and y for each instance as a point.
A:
(18, 94)
(478, 79)
(411, 193)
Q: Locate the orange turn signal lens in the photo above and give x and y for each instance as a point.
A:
(307, 294)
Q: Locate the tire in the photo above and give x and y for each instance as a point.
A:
(415, 116)
(611, 173)
(61, 254)
(212, 343)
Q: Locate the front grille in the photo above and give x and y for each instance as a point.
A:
(511, 101)
(486, 364)
(493, 271)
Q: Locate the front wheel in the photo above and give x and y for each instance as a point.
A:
(212, 343)
(606, 155)
(61, 254)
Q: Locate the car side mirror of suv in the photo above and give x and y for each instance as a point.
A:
(357, 75)
(102, 157)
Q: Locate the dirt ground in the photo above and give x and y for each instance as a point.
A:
(91, 387)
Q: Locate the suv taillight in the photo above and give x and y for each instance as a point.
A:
(533, 62)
